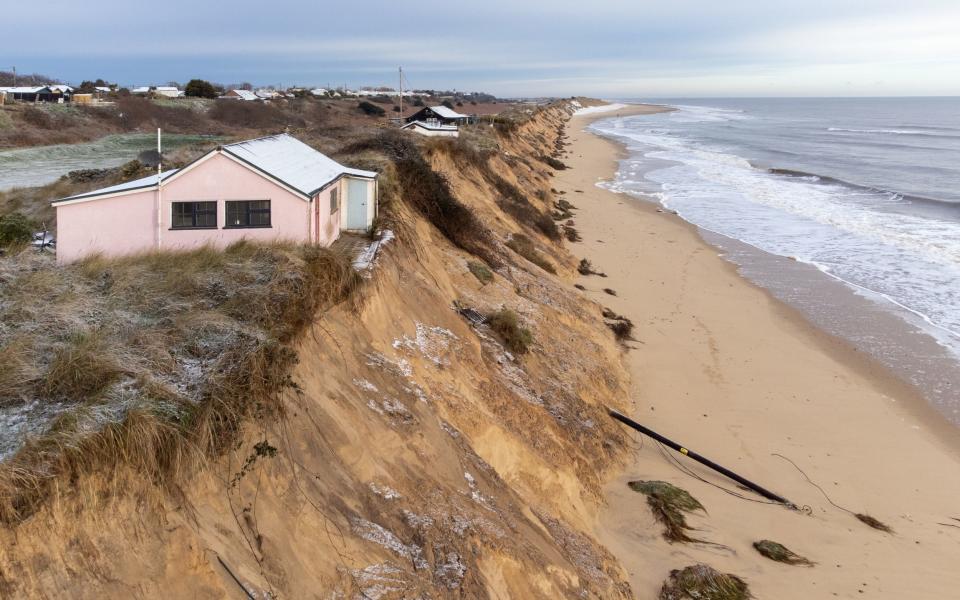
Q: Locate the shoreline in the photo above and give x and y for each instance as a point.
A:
(748, 375)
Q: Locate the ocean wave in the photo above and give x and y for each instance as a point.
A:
(918, 132)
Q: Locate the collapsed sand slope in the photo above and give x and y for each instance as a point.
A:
(724, 368)
(415, 458)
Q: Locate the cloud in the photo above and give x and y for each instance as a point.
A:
(606, 47)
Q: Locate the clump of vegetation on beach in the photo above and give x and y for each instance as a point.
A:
(780, 553)
(873, 522)
(668, 503)
(610, 291)
(506, 324)
(523, 246)
(586, 268)
(480, 271)
(554, 163)
(703, 582)
(621, 326)
(562, 209)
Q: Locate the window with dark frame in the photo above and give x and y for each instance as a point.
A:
(247, 213)
(334, 200)
(194, 215)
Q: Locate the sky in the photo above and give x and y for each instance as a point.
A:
(604, 48)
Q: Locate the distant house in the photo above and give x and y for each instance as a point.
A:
(246, 95)
(42, 93)
(439, 114)
(168, 91)
(264, 94)
(318, 92)
(142, 90)
(432, 129)
(272, 188)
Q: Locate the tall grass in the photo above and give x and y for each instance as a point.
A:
(152, 361)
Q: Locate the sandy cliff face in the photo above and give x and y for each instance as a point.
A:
(415, 456)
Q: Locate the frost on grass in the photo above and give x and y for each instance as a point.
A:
(451, 571)
(383, 537)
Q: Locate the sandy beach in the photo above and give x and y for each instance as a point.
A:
(727, 370)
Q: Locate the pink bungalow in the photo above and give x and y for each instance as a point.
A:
(272, 188)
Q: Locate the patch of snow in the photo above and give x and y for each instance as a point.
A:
(365, 385)
(385, 492)
(367, 257)
(432, 342)
(383, 537)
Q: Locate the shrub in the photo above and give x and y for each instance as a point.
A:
(506, 324)
(480, 271)
(371, 109)
(447, 104)
(256, 115)
(37, 117)
(669, 503)
(15, 230)
(522, 245)
(621, 326)
(199, 88)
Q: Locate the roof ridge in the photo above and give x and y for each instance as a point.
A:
(264, 137)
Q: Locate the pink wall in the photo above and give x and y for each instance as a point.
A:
(127, 224)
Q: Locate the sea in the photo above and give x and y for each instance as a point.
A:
(846, 208)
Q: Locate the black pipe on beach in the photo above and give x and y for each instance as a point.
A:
(700, 459)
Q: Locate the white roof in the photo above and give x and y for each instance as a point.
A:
(447, 113)
(145, 182)
(291, 161)
(245, 94)
(101, 88)
(61, 88)
(24, 90)
(167, 88)
(432, 126)
(282, 157)
(140, 90)
(318, 91)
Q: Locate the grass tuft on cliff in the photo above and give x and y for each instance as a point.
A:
(152, 361)
(668, 503)
(703, 582)
(506, 324)
(523, 246)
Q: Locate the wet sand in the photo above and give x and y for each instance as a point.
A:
(723, 367)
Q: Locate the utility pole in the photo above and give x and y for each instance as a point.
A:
(14, 76)
(401, 95)
(159, 181)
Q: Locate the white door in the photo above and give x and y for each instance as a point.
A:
(357, 199)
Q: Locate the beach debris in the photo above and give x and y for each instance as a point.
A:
(668, 503)
(579, 287)
(700, 459)
(873, 522)
(570, 232)
(610, 291)
(470, 314)
(703, 582)
(780, 553)
(586, 268)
